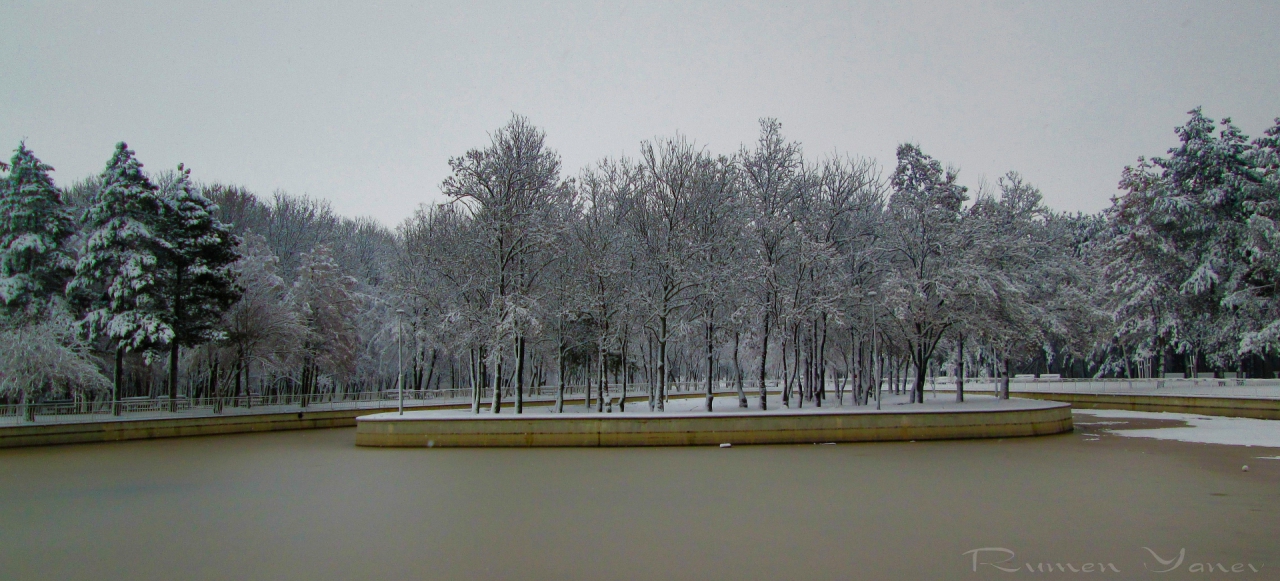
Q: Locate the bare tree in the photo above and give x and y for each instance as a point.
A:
(770, 175)
(511, 189)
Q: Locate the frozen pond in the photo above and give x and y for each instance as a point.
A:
(311, 505)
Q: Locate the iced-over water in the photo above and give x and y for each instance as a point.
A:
(310, 505)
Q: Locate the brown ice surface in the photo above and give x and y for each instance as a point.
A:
(311, 505)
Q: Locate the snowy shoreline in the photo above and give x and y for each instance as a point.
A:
(1199, 428)
(693, 408)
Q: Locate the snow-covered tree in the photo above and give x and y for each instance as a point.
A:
(716, 231)
(118, 281)
(35, 226)
(46, 359)
(660, 221)
(771, 175)
(1174, 241)
(1007, 311)
(512, 192)
(434, 276)
(926, 247)
(1254, 287)
(602, 257)
(326, 301)
(262, 326)
(198, 284)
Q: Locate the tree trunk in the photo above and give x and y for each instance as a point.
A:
(1004, 386)
(922, 372)
(473, 370)
(857, 367)
(248, 387)
(786, 377)
(213, 388)
(960, 369)
(662, 365)
(822, 362)
(519, 375)
(239, 371)
(173, 376)
(710, 363)
(431, 372)
(603, 379)
(795, 360)
(737, 370)
(586, 384)
(560, 366)
(303, 389)
(622, 403)
(496, 403)
(115, 386)
(28, 407)
(764, 359)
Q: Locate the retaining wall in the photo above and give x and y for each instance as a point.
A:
(122, 429)
(1238, 407)
(1031, 419)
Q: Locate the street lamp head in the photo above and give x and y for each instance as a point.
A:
(399, 311)
(871, 294)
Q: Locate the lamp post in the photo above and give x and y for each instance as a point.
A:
(875, 349)
(400, 359)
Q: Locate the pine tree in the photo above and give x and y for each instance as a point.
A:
(118, 278)
(1173, 249)
(35, 262)
(198, 283)
(1255, 284)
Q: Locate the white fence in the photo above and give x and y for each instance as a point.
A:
(1260, 388)
(158, 408)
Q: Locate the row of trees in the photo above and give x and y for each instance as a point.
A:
(687, 265)
(119, 274)
(1190, 252)
(678, 266)
(148, 271)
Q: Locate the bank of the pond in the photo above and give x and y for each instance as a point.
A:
(151, 428)
(231, 421)
(1237, 407)
(931, 421)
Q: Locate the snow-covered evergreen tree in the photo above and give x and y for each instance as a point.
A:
(1254, 286)
(118, 280)
(35, 261)
(1174, 240)
(199, 285)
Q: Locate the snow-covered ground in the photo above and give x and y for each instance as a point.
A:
(1199, 428)
(684, 407)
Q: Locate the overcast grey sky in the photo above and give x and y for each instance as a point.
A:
(364, 103)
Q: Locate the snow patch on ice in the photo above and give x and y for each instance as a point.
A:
(1199, 428)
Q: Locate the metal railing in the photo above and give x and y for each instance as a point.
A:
(1204, 387)
(104, 409)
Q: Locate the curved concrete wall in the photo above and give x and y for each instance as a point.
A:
(1034, 419)
(115, 431)
(1236, 407)
(122, 429)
